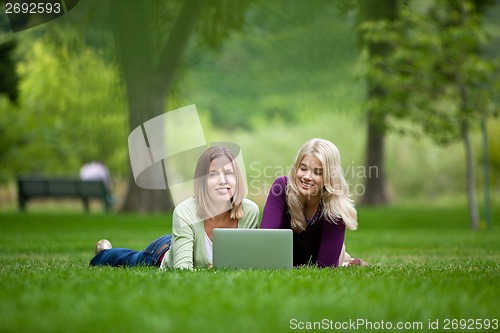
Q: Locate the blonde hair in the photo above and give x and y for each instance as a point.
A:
(204, 205)
(335, 197)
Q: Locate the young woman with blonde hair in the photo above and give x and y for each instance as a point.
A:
(314, 202)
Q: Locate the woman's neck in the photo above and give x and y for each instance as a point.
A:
(220, 209)
(220, 219)
(310, 206)
(312, 202)
(223, 220)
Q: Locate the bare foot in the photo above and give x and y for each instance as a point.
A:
(101, 245)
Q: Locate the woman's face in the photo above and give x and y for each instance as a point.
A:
(309, 177)
(221, 180)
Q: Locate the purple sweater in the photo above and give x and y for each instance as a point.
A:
(318, 244)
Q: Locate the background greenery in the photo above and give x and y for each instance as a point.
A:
(267, 88)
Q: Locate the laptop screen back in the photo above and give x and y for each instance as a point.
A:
(253, 248)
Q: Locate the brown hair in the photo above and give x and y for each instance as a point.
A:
(204, 206)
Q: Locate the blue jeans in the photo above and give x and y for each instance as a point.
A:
(150, 256)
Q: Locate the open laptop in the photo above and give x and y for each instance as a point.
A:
(252, 248)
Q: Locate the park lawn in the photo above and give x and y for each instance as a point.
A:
(427, 268)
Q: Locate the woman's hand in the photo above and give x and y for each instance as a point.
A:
(357, 262)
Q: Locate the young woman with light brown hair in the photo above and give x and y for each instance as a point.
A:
(219, 202)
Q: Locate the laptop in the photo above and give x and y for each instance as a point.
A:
(252, 248)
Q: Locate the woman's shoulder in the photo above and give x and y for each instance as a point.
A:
(185, 214)
(278, 189)
(186, 206)
(251, 215)
(334, 224)
(283, 181)
(250, 206)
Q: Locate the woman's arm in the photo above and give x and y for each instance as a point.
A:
(252, 214)
(330, 247)
(276, 206)
(183, 230)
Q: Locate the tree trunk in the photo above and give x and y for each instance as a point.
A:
(471, 193)
(375, 191)
(375, 188)
(486, 170)
(465, 110)
(144, 104)
(148, 81)
(145, 201)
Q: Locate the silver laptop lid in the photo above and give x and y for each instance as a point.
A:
(253, 248)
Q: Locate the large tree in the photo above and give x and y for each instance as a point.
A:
(151, 38)
(148, 74)
(435, 75)
(375, 187)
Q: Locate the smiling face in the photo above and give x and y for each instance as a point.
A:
(221, 180)
(309, 177)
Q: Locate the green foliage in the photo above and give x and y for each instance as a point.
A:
(286, 66)
(9, 92)
(9, 79)
(70, 111)
(285, 76)
(415, 275)
(218, 20)
(416, 168)
(435, 74)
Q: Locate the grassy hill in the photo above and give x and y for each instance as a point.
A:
(425, 266)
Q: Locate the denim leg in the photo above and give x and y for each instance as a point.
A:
(153, 252)
(115, 257)
(127, 257)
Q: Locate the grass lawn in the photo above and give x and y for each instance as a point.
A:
(427, 269)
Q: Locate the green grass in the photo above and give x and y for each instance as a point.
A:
(425, 265)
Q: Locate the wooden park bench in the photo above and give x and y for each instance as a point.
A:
(30, 187)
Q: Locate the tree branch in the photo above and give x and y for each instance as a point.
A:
(172, 52)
